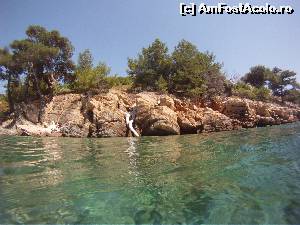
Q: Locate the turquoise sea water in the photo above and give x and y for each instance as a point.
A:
(249, 176)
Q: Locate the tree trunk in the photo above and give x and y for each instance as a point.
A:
(41, 97)
(9, 97)
(26, 89)
(50, 81)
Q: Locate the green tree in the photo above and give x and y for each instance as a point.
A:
(149, 65)
(115, 81)
(243, 90)
(257, 76)
(45, 57)
(85, 60)
(31, 58)
(195, 73)
(262, 94)
(162, 85)
(215, 80)
(187, 73)
(282, 80)
(9, 72)
(42, 59)
(91, 78)
(5, 72)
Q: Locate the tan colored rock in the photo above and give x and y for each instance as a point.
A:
(103, 115)
(264, 121)
(217, 104)
(180, 105)
(106, 114)
(6, 131)
(292, 118)
(33, 130)
(165, 100)
(161, 121)
(261, 109)
(190, 121)
(144, 105)
(74, 130)
(280, 112)
(64, 109)
(153, 119)
(236, 108)
(296, 113)
(214, 121)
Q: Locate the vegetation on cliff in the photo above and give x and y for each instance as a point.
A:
(186, 71)
(41, 65)
(276, 82)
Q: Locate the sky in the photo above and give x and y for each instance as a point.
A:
(117, 29)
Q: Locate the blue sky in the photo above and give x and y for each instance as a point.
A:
(117, 29)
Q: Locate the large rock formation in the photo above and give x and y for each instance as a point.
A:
(103, 115)
(255, 113)
(156, 116)
(106, 115)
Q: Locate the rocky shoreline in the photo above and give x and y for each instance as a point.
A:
(103, 115)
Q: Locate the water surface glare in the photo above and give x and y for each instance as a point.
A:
(250, 176)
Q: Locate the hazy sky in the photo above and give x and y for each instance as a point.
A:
(115, 30)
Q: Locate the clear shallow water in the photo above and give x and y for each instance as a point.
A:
(249, 176)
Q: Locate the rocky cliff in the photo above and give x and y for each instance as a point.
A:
(103, 115)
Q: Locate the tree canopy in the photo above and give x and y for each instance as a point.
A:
(45, 57)
(282, 80)
(149, 65)
(41, 65)
(41, 60)
(10, 70)
(85, 60)
(257, 76)
(91, 78)
(187, 70)
(282, 83)
(195, 73)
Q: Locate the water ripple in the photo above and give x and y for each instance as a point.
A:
(248, 176)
